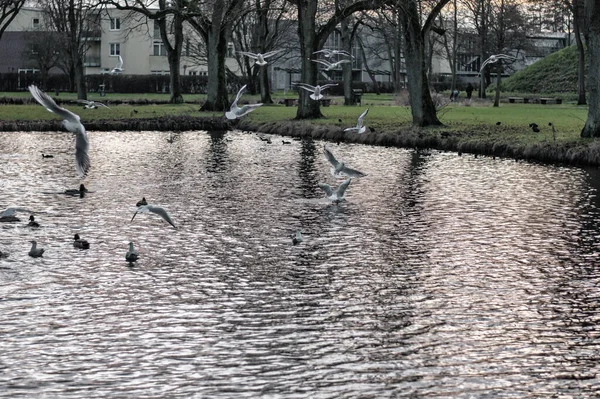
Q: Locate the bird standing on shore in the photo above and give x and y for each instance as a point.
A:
(72, 123)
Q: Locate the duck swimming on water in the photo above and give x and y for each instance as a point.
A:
(35, 252)
(81, 191)
(79, 243)
(8, 215)
(32, 222)
(131, 255)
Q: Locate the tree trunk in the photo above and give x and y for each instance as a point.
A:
(592, 36)
(265, 86)
(347, 67)
(367, 68)
(422, 107)
(80, 80)
(217, 99)
(578, 20)
(483, 48)
(498, 76)
(173, 54)
(307, 107)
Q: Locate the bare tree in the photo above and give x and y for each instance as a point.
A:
(42, 52)
(263, 29)
(8, 11)
(313, 37)
(73, 19)
(169, 16)
(591, 32)
(415, 36)
(213, 24)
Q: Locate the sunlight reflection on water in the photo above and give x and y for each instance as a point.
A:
(440, 276)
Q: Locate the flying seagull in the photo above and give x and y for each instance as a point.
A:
(119, 67)
(339, 169)
(330, 53)
(237, 112)
(338, 194)
(331, 65)
(258, 57)
(154, 209)
(72, 123)
(495, 58)
(90, 104)
(131, 255)
(360, 127)
(316, 90)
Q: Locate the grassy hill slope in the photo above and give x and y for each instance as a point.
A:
(556, 73)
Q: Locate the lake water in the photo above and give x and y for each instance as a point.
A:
(440, 276)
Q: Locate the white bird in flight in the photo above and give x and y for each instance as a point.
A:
(339, 168)
(315, 90)
(259, 58)
(72, 123)
(119, 67)
(237, 112)
(338, 194)
(330, 53)
(495, 58)
(90, 104)
(360, 127)
(332, 65)
(154, 209)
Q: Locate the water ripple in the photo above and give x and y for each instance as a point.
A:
(441, 276)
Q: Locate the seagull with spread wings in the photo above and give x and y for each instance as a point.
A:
(332, 65)
(90, 104)
(360, 127)
(336, 195)
(237, 112)
(495, 58)
(330, 53)
(154, 209)
(339, 168)
(119, 67)
(315, 90)
(72, 123)
(259, 58)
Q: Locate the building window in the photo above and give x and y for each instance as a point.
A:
(115, 23)
(159, 49)
(115, 49)
(156, 29)
(35, 23)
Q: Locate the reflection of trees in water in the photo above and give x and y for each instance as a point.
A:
(306, 169)
(217, 159)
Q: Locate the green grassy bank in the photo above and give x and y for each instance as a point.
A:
(468, 126)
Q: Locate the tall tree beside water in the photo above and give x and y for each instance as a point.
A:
(591, 33)
(416, 34)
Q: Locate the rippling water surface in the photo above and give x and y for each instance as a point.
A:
(440, 276)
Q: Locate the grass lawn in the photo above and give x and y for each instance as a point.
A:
(476, 119)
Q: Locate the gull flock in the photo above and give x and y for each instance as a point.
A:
(72, 123)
